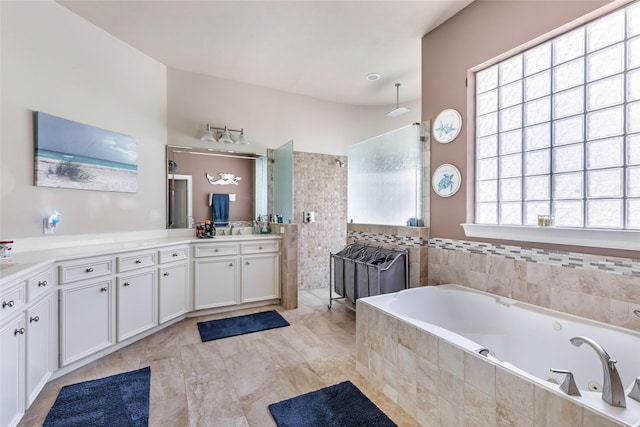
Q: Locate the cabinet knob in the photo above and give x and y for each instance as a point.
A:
(19, 331)
(174, 254)
(34, 319)
(89, 270)
(247, 263)
(259, 247)
(216, 250)
(138, 261)
(166, 274)
(8, 304)
(105, 289)
(126, 284)
(230, 264)
(43, 283)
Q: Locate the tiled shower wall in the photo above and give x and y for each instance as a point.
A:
(320, 185)
(604, 289)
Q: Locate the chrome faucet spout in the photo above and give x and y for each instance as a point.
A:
(612, 389)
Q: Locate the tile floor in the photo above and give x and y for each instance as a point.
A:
(230, 382)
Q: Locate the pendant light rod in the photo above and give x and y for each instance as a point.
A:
(398, 110)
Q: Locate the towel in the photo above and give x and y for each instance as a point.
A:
(220, 210)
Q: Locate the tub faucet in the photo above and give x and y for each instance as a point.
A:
(612, 389)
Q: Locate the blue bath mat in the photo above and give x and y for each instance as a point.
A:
(340, 405)
(119, 400)
(240, 325)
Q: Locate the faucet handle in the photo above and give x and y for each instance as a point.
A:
(635, 391)
(569, 384)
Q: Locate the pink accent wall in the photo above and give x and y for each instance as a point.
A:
(478, 33)
(242, 209)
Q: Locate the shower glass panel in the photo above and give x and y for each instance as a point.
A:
(385, 178)
(283, 181)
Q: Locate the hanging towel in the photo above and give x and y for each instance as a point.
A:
(220, 210)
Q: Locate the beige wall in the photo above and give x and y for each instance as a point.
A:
(269, 117)
(55, 62)
(197, 165)
(478, 33)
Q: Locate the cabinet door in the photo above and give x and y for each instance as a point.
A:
(12, 354)
(173, 291)
(260, 277)
(137, 304)
(41, 345)
(87, 316)
(216, 282)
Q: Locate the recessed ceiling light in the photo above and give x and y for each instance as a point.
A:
(372, 77)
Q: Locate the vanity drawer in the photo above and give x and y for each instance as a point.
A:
(40, 283)
(12, 300)
(260, 247)
(173, 254)
(85, 269)
(219, 249)
(133, 261)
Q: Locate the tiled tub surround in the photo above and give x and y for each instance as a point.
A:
(415, 239)
(441, 380)
(604, 289)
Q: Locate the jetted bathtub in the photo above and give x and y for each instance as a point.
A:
(527, 339)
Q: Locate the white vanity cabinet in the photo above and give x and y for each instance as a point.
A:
(137, 302)
(87, 319)
(42, 344)
(28, 342)
(12, 371)
(174, 289)
(229, 273)
(137, 294)
(87, 297)
(260, 270)
(216, 275)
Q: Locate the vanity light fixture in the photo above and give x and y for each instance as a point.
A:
(223, 135)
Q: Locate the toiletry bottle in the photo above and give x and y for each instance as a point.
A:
(208, 228)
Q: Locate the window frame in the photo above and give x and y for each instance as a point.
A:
(593, 237)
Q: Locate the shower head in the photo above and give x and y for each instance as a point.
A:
(339, 162)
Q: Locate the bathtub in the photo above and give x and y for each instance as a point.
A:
(525, 339)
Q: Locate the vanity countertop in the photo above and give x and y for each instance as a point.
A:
(25, 263)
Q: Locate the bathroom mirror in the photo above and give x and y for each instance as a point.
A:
(194, 175)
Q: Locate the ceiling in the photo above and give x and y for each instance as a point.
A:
(321, 49)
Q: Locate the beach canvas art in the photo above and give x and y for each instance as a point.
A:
(69, 154)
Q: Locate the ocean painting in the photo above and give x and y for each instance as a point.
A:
(69, 154)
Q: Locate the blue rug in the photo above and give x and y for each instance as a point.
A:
(340, 405)
(240, 325)
(119, 400)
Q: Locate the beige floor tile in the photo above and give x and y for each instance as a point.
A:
(231, 382)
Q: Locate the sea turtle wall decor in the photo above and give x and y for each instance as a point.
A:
(446, 180)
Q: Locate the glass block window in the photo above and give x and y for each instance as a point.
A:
(557, 129)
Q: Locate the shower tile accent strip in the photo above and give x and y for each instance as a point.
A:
(385, 239)
(622, 266)
(414, 239)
